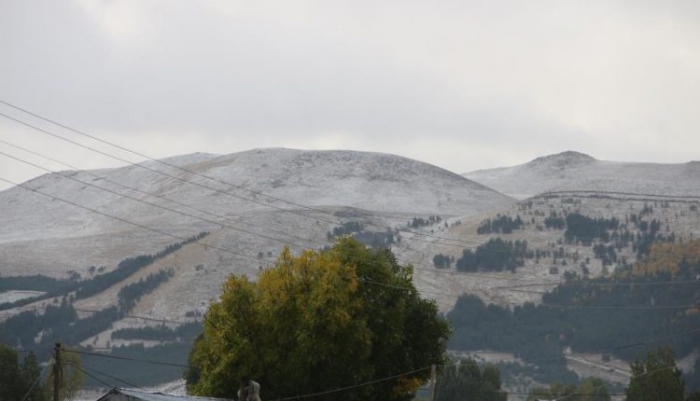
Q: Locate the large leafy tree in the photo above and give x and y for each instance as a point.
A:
(321, 321)
(467, 382)
(656, 377)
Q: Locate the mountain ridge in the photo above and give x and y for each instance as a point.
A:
(576, 171)
(65, 235)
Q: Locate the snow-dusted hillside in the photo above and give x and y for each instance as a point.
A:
(573, 171)
(46, 236)
(370, 181)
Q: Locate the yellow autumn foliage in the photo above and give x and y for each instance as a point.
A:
(666, 257)
(313, 323)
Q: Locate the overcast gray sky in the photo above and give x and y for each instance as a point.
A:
(460, 84)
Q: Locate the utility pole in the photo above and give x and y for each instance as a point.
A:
(57, 371)
(433, 377)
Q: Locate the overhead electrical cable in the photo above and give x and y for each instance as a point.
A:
(605, 351)
(165, 198)
(140, 165)
(222, 225)
(104, 383)
(93, 137)
(253, 258)
(125, 220)
(38, 379)
(189, 215)
(109, 376)
(337, 390)
(123, 358)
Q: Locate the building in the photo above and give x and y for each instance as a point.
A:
(123, 394)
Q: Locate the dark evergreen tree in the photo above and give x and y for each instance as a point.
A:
(19, 380)
(656, 377)
(467, 382)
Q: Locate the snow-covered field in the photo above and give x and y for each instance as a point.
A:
(12, 296)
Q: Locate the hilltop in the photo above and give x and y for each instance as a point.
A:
(574, 171)
(48, 237)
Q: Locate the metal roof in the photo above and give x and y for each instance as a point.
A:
(118, 393)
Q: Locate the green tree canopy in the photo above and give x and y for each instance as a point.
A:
(467, 382)
(656, 377)
(320, 321)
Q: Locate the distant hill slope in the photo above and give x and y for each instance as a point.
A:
(371, 181)
(573, 171)
(39, 231)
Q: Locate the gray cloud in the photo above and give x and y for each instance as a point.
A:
(463, 85)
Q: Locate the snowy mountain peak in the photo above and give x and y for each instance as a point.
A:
(563, 160)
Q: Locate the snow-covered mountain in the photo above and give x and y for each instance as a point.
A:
(47, 236)
(573, 171)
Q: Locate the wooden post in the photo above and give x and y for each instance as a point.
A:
(57, 371)
(433, 377)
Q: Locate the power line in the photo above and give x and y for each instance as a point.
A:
(154, 159)
(347, 387)
(126, 316)
(222, 225)
(353, 386)
(38, 379)
(194, 183)
(211, 221)
(123, 358)
(610, 284)
(356, 385)
(456, 241)
(114, 378)
(188, 206)
(124, 220)
(93, 137)
(555, 306)
(154, 170)
(603, 386)
(392, 377)
(90, 375)
(152, 319)
(650, 307)
(240, 254)
(199, 218)
(342, 389)
(250, 257)
(605, 351)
